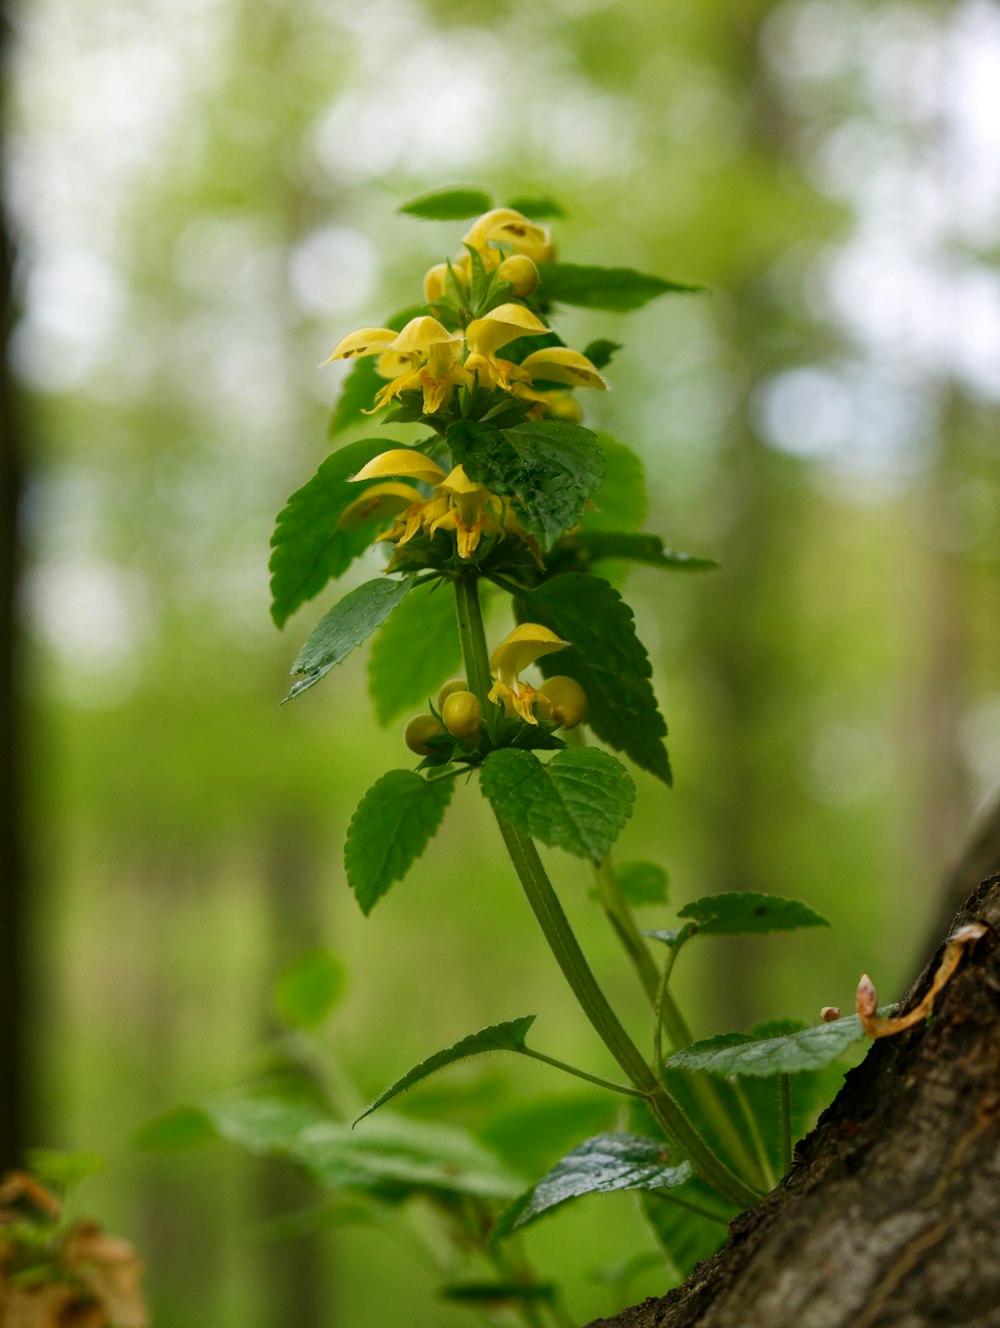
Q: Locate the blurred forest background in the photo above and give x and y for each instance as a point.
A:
(202, 196)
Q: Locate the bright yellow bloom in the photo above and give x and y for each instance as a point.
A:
(505, 226)
(472, 510)
(486, 335)
(515, 652)
(405, 461)
(559, 364)
(377, 501)
(366, 341)
(423, 357)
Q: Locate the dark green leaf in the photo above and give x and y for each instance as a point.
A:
(743, 912)
(600, 352)
(643, 883)
(508, 1036)
(580, 801)
(616, 288)
(308, 989)
(308, 546)
(608, 661)
(601, 1165)
(348, 623)
(550, 467)
(448, 204)
(356, 394)
(588, 546)
(537, 209)
(790, 1053)
(496, 1294)
(531, 1134)
(622, 502)
(415, 652)
(392, 826)
(181, 1127)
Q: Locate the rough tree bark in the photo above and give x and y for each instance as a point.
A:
(891, 1216)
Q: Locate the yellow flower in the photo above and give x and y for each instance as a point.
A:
(405, 461)
(380, 500)
(559, 364)
(472, 509)
(515, 652)
(423, 357)
(366, 341)
(505, 226)
(486, 335)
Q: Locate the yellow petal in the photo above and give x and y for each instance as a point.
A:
(380, 500)
(391, 365)
(401, 461)
(420, 334)
(509, 227)
(559, 364)
(366, 341)
(435, 282)
(501, 325)
(522, 647)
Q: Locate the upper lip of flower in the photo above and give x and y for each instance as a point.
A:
(522, 647)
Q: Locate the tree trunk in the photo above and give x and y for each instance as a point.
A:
(891, 1216)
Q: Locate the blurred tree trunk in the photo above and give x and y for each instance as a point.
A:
(12, 881)
(890, 1218)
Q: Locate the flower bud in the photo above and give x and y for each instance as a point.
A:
(419, 729)
(866, 999)
(462, 714)
(564, 406)
(521, 272)
(451, 686)
(435, 282)
(830, 1014)
(566, 699)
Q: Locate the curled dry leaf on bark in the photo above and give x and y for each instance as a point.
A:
(890, 1217)
(66, 1276)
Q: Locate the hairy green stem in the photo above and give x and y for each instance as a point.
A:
(581, 1074)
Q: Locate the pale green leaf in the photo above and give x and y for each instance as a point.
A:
(180, 1127)
(643, 883)
(308, 989)
(448, 205)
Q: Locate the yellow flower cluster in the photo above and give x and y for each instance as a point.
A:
(457, 503)
(560, 698)
(426, 357)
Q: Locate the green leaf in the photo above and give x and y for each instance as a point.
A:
(348, 623)
(580, 801)
(686, 1236)
(601, 1165)
(587, 546)
(531, 1134)
(601, 352)
(643, 883)
(744, 912)
(308, 989)
(508, 1036)
(616, 288)
(550, 467)
(180, 1127)
(537, 209)
(308, 546)
(497, 1294)
(60, 1169)
(608, 661)
(356, 394)
(623, 500)
(392, 826)
(415, 652)
(789, 1053)
(448, 204)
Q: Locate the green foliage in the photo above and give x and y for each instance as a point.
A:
(744, 912)
(601, 1165)
(173, 1130)
(623, 500)
(580, 801)
(308, 546)
(584, 547)
(550, 467)
(356, 395)
(508, 1036)
(415, 652)
(538, 209)
(643, 883)
(531, 1134)
(448, 204)
(61, 1170)
(617, 288)
(348, 623)
(497, 1295)
(608, 661)
(760, 1057)
(686, 1235)
(308, 989)
(392, 826)
(601, 352)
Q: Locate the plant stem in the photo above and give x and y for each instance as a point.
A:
(581, 1074)
(764, 1161)
(785, 1117)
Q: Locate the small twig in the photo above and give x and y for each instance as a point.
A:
(867, 999)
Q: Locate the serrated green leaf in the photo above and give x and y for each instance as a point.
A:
(180, 1127)
(584, 547)
(357, 393)
(392, 826)
(508, 1036)
(308, 989)
(643, 883)
(623, 500)
(607, 659)
(537, 209)
(601, 1165)
(790, 1053)
(616, 288)
(744, 912)
(415, 652)
(448, 205)
(550, 467)
(308, 547)
(348, 623)
(580, 801)
(496, 1294)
